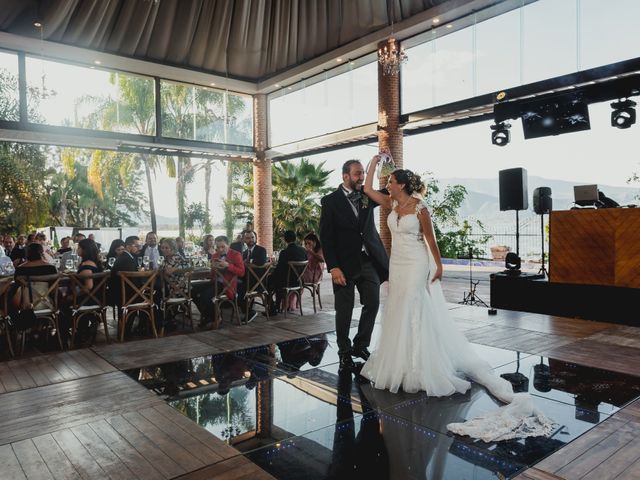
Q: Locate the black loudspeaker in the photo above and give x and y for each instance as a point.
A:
(513, 189)
(542, 202)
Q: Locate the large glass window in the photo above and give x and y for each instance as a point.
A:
(206, 114)
(558, 162)
(608, 32)
(346, 100)
(9, 96)
(87, 97)
(540, 40)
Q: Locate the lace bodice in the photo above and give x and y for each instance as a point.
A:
(406, 232)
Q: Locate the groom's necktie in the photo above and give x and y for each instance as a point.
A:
(354, 197)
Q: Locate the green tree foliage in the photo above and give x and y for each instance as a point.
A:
(297, 189)
(196, 216)
(23, 203)
(454, 238)
(94, 189)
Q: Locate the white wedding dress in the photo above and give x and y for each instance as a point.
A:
(421, 349)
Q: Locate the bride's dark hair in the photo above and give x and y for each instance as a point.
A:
(411, 181)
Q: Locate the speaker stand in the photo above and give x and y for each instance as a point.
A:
(518, 233)
(471, 298)
(543, 269)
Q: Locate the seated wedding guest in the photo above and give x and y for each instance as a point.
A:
(116, 248)
(8, 243)
(33, 266)
(180, 246)
(238, 245)
(278, 279)
(41, 238)
(172, 259)
(19, 252)
(232, 266)
(126, 262)
(78, 237)
(88, 251)
(93, 237)
(313, 273)
(90, 265)
(248, 227)
(208, 246)
(64, 245)
(254, 253)
(151, 250)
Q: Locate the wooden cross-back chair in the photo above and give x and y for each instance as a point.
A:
(137, 290)
(40, 293)
(257, 288)
(5, 286)
(295, 283)
(176, 292)
(314, 290)
(220, 298)
(89, 301)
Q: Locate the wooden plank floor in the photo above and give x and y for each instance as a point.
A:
(155, 442)
(73, 415)
(153, 351)
(610, 450)
(49, 369)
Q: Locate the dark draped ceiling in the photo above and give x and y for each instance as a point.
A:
(247, 39)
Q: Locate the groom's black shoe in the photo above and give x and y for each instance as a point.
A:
(346, 363)
(362, 353)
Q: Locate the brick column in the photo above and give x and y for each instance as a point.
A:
(389, 135)
(262, 186)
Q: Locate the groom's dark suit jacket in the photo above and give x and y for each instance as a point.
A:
(342, 235)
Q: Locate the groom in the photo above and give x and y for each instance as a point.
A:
(355, 258)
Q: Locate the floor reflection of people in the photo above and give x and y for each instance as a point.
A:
(295, 354)
(362, 455)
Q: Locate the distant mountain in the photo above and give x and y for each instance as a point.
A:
(145, 220)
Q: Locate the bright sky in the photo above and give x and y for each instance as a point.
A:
(551, 37)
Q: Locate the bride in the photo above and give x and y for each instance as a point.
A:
(420, 347)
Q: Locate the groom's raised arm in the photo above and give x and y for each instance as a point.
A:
(327, 234)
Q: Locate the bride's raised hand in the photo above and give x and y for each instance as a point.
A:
(438, 274)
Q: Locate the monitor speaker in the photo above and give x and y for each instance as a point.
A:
(542, 202)
(513, 189)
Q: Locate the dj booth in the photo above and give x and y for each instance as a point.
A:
(594, 269)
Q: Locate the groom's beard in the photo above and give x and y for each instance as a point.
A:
(355, 185)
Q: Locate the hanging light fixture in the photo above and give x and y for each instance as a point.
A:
(392, 55)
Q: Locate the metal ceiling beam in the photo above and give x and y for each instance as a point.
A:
(115, 141)
(331, 141)
(86, 58)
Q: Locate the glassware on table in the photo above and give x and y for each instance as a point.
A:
(139, 263)
(56, 263)
(68, 264)
(160, 261)
(111, 261)
(145, 262)
(9, 269)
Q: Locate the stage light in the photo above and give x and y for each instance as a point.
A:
(500, 134)
(624, 113)
(512, 263)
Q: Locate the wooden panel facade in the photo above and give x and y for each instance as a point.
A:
(595, 247)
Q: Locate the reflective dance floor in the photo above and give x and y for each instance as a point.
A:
(286, 408)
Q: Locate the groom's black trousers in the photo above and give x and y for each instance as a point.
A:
(368, 285)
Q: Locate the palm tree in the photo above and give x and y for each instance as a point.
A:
(133, 110)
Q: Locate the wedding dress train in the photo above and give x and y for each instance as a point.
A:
(421, 349)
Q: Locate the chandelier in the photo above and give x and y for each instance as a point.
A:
(391, 56)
